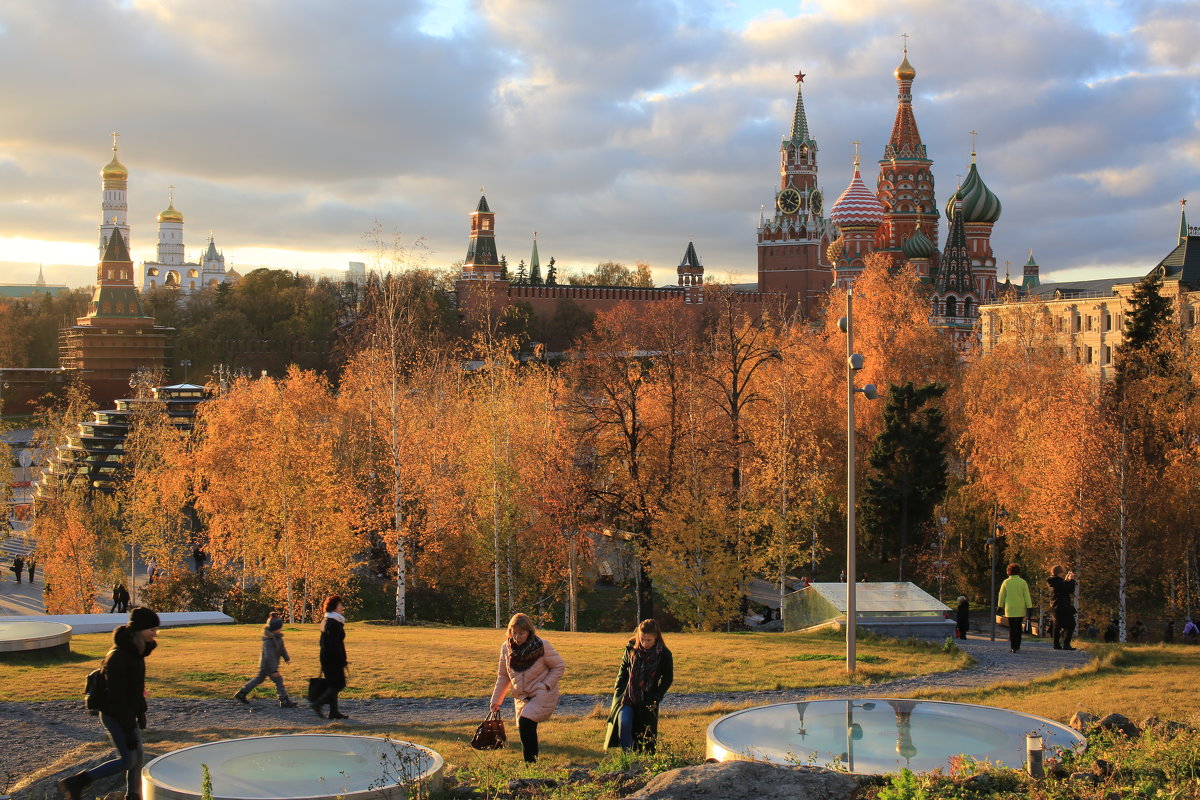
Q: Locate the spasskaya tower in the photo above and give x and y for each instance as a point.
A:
(792, 237)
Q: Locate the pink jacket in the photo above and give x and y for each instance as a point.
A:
(535, 691)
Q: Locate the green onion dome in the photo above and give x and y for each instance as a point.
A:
(918, 246)
(979, 204)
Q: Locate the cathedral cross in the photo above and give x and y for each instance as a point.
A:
(115, 135)
(973, 135)
(904, 36)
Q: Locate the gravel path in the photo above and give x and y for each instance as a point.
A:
(39, 734)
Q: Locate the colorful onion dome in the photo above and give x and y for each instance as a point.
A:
(979, 204)
(905, 71)
(858, 206)
(170, 214)
(918, 246)
(835, 250)
(114, 170)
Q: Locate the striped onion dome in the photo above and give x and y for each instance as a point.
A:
(835, 250)
(979, 204)
(918, 246)
(858, 206)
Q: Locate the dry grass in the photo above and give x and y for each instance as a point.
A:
(388, 661)
(1134, 680)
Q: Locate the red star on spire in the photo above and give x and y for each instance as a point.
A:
(799, 77)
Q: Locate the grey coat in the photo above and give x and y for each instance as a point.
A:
(273, 649)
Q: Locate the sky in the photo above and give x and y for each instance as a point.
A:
(617, 130)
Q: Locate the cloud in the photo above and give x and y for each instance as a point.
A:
(616, 130)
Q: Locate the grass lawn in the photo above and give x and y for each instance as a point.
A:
(1134, 680)
(386, 661)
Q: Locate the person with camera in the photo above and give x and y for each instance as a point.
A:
(1062, 606)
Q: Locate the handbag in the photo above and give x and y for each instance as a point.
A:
(490, 733)
(316, 688)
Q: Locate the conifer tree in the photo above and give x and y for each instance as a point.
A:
(551, 274)
(1141, 353)
(522, 277)
(908, 468)
(503, 267)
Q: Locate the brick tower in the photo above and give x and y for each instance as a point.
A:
(793, 237)
(905, 186)
(482, 263)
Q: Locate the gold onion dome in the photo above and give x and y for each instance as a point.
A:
(905, 71)
(171, 214)
(114, 170)
(835, 250)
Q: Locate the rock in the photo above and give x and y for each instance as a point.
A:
(748, 780)
(1082, 721)
(1055, 769)
(1102, 768)
(579, 775)
(1120, 722)
(1151, 722)
(525, 784)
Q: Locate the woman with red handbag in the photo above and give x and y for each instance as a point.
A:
(530, 668)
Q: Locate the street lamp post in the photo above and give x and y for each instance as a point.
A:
(997, 529)
(854, 362)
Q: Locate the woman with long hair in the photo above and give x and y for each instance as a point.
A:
(647, 671)
(333, 657)
(530, 668)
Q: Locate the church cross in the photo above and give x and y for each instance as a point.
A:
(904, 36)
(856, 144)
(171, 194)
(973, 135)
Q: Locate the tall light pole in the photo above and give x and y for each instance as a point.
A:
(997, 529)
(854, 362)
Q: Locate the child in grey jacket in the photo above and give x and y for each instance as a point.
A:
(273, 650)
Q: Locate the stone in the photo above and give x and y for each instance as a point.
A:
(526, 784)
(1119, 722)
(1082, 721)
(748, 780)
(1102, 768)
(1055, 769)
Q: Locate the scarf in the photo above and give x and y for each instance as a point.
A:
(522, 656)
(643, 671)
(335, 615)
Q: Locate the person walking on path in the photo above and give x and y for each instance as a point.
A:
(1062, 596)
(962, 617)
(531, 668)
(18, 564)
(120, 597)
(273, 650)
(333, 657)
(123, 705)
(30, 566)
(1015, 603)
(647, 671)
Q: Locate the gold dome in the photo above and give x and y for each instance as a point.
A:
(171, 214)
(835, 250)
(905, 71)
(114, 170)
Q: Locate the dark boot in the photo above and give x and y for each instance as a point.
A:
(287, 702)
(241, 697)
(73, 786)
(334, 713)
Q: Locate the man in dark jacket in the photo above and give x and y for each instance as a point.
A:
(1062, 605)
(123, 707)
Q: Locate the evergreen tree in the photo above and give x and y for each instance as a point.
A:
(908, 468)
(503, 267)
(551, 273)
(522, 278)
(1142, 353)
(535, 275)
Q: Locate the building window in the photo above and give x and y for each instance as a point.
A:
(1089, 322)
(1078, 322)
(1089, 354)
(1107, 321)
(951, 307)
(1059, 324)
(1107, 354)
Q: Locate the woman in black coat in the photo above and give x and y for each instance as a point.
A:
(123, 705)
(333, 657)
(962, 617)
(647, 671)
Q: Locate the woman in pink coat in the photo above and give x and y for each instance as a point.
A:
(531, 668)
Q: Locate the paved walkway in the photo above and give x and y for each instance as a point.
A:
(38, 734)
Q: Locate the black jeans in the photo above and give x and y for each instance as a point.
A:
(529, 740)
(1064, 627)
(1014, 631)
(128, 760)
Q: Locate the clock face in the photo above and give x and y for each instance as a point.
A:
(814, 202)
(789, 201)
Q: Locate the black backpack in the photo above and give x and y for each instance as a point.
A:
(94, 690)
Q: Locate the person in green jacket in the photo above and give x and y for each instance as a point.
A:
(1015, 602)
(646, 673)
